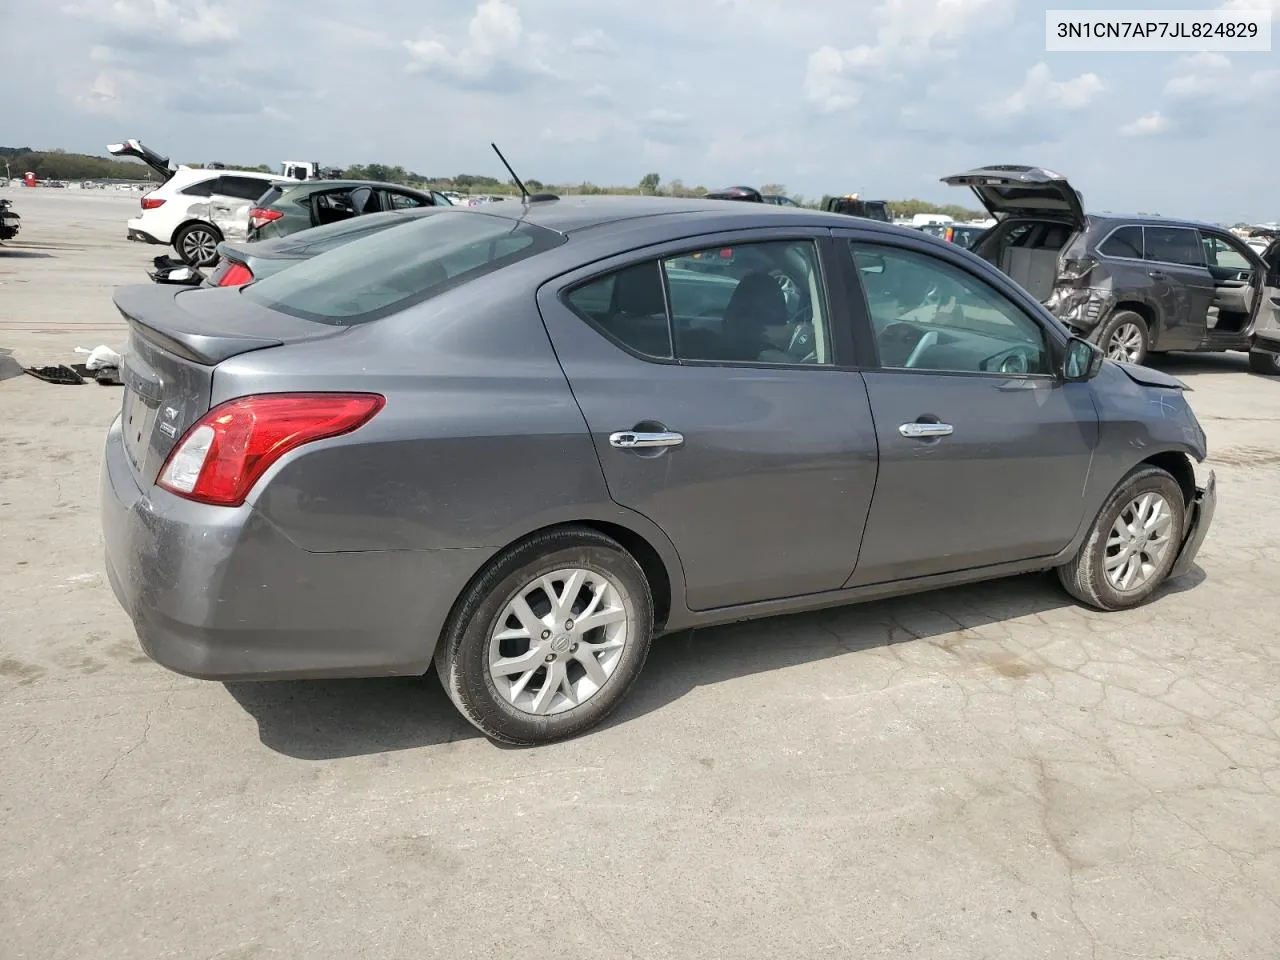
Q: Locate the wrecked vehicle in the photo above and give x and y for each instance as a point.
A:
(194, 208)
(851, 205)
(1135, 285)
(503, 443)
(292, 207)
(10, 221)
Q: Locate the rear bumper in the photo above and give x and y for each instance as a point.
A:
(140, 235)
(222, 594)
(1199, 518)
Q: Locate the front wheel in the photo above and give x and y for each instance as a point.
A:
(1267, 364)
(1133, 543)
(549, 638)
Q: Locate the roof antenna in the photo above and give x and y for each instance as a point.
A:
(525, 195)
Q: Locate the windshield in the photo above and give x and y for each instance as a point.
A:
(378, 275)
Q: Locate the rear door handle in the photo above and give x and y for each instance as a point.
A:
(634, 439)
(923, 431)
(1156, 274)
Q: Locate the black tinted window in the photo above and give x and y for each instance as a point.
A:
(243, 188)
(375, 276)
(630, 307)
(1173, 245)
(1123, 242)
(205, 188)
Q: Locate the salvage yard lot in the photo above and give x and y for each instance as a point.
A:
(986, 771)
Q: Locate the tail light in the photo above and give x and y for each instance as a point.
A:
(150, 203)
(228, 450)
(236, 275)
(259, 217)
(726, 253)
(1071, 270)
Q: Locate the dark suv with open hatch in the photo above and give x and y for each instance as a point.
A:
(1133, 284)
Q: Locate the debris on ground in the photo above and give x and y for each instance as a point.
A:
(58, 373)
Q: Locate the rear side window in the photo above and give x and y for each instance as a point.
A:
(1173, 245)
(205, 188)
(749, 303)
(242, 188)
(375, 276)
(1123, 242)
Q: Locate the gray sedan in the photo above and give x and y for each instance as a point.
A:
(520, 443)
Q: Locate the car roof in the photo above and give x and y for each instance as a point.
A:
(572, 214)
(325, 184)
(1153, 219)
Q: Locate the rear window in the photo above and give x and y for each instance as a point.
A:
(378, 275)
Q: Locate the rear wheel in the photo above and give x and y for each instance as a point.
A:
(1133, 543)
(197, 244)
(1267, 364)
(1125, 337)
(549, 639)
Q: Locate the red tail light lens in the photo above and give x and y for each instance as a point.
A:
(228, 450)
(259, 217)
(150, 203)
(237, 274)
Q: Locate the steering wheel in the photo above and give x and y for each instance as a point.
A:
(928, 340)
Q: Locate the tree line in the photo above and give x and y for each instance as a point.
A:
(61, 165)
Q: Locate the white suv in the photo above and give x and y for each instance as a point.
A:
(194, 208)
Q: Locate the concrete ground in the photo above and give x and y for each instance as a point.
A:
(982, 772)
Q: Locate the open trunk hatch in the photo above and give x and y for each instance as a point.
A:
(1011, 190)
(135, 148)
(177, 336)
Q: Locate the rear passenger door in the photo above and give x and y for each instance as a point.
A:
(724, 407)
(1181, 286)
(229, 205)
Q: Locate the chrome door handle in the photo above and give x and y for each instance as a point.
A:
(922, 431)
(632, 439)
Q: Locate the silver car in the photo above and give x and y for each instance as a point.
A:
(520, 442)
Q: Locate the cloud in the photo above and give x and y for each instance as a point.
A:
(1272, 5)
(101, 97)
(1212, 80)
(1041, 92)
(593, 40)
(496, 49)
(909, 34)
(186, 23)
(1149, 125)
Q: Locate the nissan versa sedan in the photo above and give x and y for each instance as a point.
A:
(519, 442)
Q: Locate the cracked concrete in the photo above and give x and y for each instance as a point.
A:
(981, 772)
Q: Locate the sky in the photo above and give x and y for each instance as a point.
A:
(881, 97)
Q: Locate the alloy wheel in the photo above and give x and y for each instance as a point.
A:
(558, 640)
(198, 246)
(1125, 343)
(1139, 540)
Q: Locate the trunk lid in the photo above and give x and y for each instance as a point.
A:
(177, 337)
(1012, 190)
(136, 149)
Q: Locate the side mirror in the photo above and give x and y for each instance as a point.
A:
(1081, 360)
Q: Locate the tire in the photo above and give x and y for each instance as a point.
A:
(1086, 577)
(1125, 337)
(469, 643)
(1267, 364)
(196, 244)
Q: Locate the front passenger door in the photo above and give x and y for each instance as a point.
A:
(984, 451)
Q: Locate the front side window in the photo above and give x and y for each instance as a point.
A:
(751, 303)
(930, 315)
(1220, 253)
(1173, 245)
(374, 276)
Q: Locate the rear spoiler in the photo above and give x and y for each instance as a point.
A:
(153, 313)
